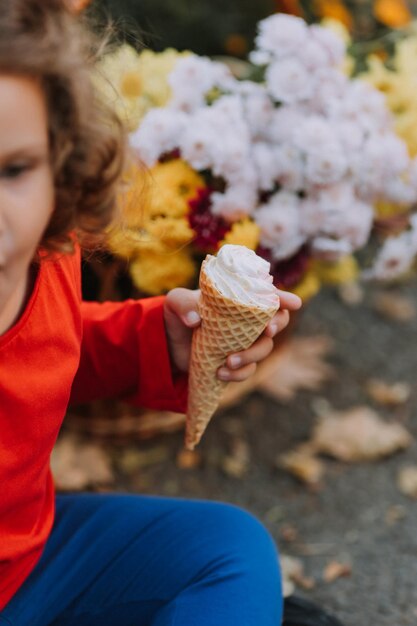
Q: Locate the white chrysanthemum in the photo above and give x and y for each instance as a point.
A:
(159, 132)
(284, 120)
(289, 82)
(350, 136)
(399, 191)
(329, 85)
(363, 105)
(326, 164)
(290, 167)
(321, 211)
(394, 259)
(192, 78)
(336, 213)
(279, 222)
(265, 165)
(235, 204)
(381, 161)
(259, 110)
(329, 249)
(313, 55)
(260, 57)
(312, 132)
(331, 42)
(281, 34)
(199, 140)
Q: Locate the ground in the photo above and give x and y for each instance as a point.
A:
(358, 517)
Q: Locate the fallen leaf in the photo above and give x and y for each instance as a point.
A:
(335, 570)
(394, 514)
(394, 306)
(288, 533)
(358, 434)
(303, 464)
(296, 364)
(188, 459)
(292, 570)
(130, 460)
(388, 394)
(407, 481)
(351, 294)
(76, 465)
(236, 464)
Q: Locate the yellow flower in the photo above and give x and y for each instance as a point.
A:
(387, 209)
(308, 287)
(345, 270)
(172, 185)
(135, 82)
(156, 273)
(170, 231)
(393, 13)
(243, 233)
(334, 9)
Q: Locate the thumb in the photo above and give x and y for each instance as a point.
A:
(184, 304)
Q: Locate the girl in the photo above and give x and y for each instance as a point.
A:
(95, 559)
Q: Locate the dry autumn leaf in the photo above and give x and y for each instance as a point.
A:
(394, 306)
(407, 481)
(388, 394)
(335, 570)
(358, 434)
(76, 465)
(303, 464)
(292, 570)
(236, 464)
(297, 364)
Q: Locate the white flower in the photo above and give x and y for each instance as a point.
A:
(284, 120)
(235, 204)
(326, 164)
(289, 82)
(281, 34)
(335, 213)
(159, 132)
(312, 132)
(192, 78)
(394, 259)
(260, 57)
(329, 249)
(329, 85)
(313, 55)
(265, 164)
(331, 43)
(290, 167)
(279, 222)
(259, 111)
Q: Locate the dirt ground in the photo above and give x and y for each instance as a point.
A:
(358, 517)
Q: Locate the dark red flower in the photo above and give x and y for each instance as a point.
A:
(289, 272)
(209, 229)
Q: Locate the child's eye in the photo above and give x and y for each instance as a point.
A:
(14, 170)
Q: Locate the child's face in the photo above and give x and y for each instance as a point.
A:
(26, 182)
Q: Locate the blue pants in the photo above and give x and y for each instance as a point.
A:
(126, 560)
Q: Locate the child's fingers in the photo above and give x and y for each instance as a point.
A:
(289, 300)
(224, 373)
(278, 323)
(257, 352)
(183, 302)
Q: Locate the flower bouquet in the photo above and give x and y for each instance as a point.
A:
(290, 161)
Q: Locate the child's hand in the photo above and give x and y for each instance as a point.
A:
(181, 317)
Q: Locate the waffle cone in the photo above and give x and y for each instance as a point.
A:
(227, 326)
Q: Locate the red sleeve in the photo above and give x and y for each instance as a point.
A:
(124, 354)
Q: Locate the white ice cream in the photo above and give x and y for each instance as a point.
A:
(242, 275)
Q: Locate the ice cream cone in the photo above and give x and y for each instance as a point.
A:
(227, 326)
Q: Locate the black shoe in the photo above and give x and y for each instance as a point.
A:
(301, 612)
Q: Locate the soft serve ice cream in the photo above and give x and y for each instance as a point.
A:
(240, 274)
(237, 301)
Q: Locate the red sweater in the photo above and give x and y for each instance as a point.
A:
(63, 350)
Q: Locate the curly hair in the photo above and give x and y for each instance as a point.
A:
(46, 41)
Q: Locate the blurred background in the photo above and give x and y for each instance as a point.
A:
(321, 443)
